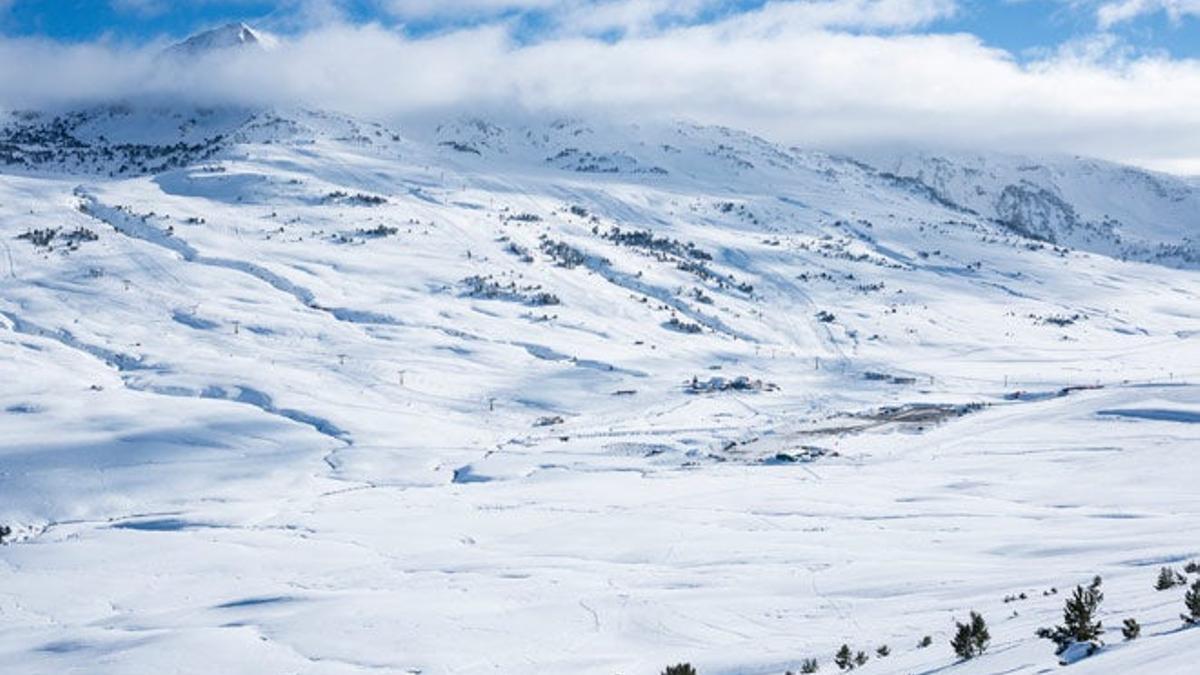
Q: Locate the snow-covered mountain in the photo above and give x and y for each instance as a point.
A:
(232, 36)
(288, 391)
(1098, 206)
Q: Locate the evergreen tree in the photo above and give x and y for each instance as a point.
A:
(680, 669)
(860, 659)
(1167, 579)
(882, 651)
(808, 666)
(1132, 629)
(925, 642)
(1191, 600)
(979, 633)
(972, 638)
(1079, 614)
(1079, 618)
(844, 659)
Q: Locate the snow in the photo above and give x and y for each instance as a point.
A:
(1087, 204)
(275, 430)
(232, 36)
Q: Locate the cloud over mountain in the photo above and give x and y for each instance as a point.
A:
(826, 74)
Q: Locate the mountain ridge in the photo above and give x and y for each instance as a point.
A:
(1076, 202)
(224, 39)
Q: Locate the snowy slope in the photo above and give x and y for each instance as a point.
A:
(1088, 204)
(286, 391)
(222, 39)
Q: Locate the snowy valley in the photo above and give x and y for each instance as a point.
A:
(289, 391)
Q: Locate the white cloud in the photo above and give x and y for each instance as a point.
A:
(789, 71)
(1110, 14)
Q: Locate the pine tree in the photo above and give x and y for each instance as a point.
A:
(962, 642)
(1079, 618)
(1167, 579)
(1079, 614)
(680, 669)
(1132, 629)
(808, 666)
(1191, 600)
(925, 642)
(979, 633)
(5, 531)
(860, 659)
(844, 659)
(882, 651)
(971, 639)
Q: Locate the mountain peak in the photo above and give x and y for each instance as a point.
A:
(231, 36)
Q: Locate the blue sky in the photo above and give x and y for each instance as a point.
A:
(1025, 28)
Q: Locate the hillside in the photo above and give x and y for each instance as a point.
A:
(298, 392)
(1107, 208)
